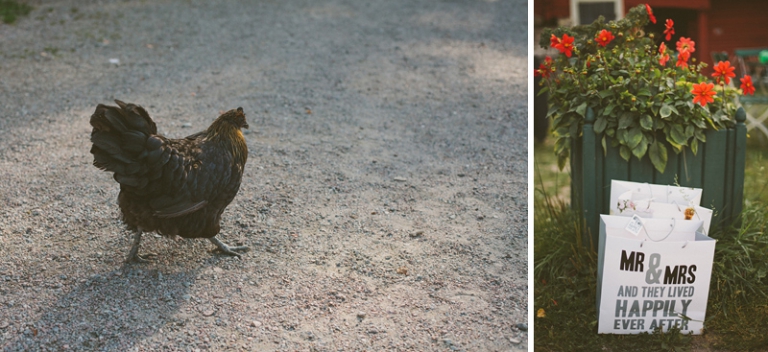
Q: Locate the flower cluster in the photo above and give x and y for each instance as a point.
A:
(646, 97)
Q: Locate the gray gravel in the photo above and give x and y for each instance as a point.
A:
(384, 199)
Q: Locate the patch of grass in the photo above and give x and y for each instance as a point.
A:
(10, 10)
(565, 274)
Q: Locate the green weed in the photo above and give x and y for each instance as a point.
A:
(10, 10)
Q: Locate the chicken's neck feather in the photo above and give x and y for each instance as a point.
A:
(231, 138)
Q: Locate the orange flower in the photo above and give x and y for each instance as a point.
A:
(669, 31)
(554, 40)
(564, 45)
(682, 59)
(703, 93)
(724, 69)
(746, 85)
(604, 37)
(544, 68)
(686, 45)
(650, 13)
(663, 55)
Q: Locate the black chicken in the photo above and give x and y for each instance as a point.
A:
(176, 187)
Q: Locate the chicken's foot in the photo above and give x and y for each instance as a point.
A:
(133, 255)
(227, 249)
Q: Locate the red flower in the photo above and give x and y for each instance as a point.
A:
(669, 31)
(663, 55)
(554, 40)
(565, 45)
(544, 68)
(682, 59)
(686, 45)
(703, 93)
(724, 69)
(604, 37)
(746, 85)
(650, 13)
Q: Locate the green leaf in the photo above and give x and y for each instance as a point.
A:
(646, 122)
(543, 90)
(625, 120)
(552, 111)
(621, 135)
(694, 146)
(625, 152)
(606, 93)
(640, 149)
(658, 154)
(561, 144)
(699, 134)
(665, 111)
(561, 160)
(600, 124)
(605, 149)
(574, 130)
(634, 137)
(689, 131)
(644, 92)
(678, 135)
(581, 109)
(609, 109)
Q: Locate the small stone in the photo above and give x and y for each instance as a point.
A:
(522, 326)
(186, 125)
(255, 323)
(360, 315)
(514, 341)
(417, 233)
(400, 179)
(208, 312)
(4, 324)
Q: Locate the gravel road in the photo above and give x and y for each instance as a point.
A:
(384, 199)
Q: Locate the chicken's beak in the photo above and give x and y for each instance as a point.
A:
(245, 125)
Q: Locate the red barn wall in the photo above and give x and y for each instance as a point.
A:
(551, 10)
(683, 4)
(720, 25)
(738, 24)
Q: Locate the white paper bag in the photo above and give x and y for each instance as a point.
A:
(658, 201)
(682, 196)
(657, 278)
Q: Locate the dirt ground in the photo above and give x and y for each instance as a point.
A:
(384, 199)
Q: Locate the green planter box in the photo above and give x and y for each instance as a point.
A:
(718, 169)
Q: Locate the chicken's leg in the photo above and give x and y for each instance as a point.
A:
(133, 255)
(227, 249)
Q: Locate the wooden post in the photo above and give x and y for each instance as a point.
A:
(740, 162)
(588, 195)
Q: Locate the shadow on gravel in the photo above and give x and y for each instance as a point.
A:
(110, 311)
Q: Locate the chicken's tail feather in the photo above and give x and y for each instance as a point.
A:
(122, 138)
